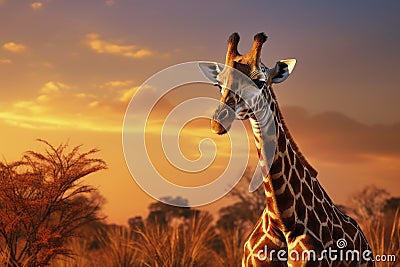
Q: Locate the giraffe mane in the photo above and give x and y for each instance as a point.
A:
(294, 145)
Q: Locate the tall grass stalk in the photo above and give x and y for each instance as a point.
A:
(185, 244)
(117, 248)
(232, 252)
(80, 255)
(114, 249)
(384, 238)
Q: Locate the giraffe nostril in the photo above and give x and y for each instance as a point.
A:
(223, 114)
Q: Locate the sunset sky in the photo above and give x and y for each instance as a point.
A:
(68, 70)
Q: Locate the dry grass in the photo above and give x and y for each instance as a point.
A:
(191, 243)
(80, 255)
(115, 249)
(187, 244)
(383, 235)
(232, 241)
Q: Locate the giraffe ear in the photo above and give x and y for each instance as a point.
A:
(211, 70)
(282, 70)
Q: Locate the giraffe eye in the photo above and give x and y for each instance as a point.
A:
(260, 83)
(220, 88)
(217, 84)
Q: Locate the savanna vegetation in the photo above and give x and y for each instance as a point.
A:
(50, 217)
(43, 204)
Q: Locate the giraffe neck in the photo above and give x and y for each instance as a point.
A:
(288, 172)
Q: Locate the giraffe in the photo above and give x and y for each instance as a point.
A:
(300, 225)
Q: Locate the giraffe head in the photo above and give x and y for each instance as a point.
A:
(241, 80)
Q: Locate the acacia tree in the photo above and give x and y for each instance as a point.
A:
(368, 204)
(43, 202)
(247, 208)
(163, 214)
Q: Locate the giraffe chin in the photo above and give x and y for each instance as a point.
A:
(219, 129)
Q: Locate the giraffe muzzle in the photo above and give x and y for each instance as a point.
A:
(222, 120)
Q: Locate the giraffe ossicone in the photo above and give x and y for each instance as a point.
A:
(299, 215)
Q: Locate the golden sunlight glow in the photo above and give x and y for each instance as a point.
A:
(58, 122)
(60, 106)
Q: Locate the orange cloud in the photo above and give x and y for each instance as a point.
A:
(14, 47)
(59, 105)
(126, 95)
(29, 106)
(123, 90)
(100, 46)
(36, 5)
(5, 61)
(110, 2)
(53, 87)
(116, 84)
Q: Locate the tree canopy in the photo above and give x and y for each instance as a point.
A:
(43, 202)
